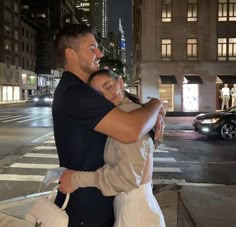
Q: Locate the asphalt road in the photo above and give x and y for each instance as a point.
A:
(27, 151)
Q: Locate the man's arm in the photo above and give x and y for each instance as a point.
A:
(128, 127)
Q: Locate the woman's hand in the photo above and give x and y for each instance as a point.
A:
(66, 182)
(160, 125)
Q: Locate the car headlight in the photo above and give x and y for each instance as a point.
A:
(36, 99)
(210, 120)
(46, 99)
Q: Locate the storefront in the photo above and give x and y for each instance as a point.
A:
(166, 90)
(10, 93)
(228, 81)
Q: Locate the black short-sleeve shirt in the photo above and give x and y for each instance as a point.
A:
(76, 110)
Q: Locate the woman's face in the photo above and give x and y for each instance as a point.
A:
(111, 89)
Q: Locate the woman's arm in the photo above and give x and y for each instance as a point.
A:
(112, 179)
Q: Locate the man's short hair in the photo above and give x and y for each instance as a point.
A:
(65, 36)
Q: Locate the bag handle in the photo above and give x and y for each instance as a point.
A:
(66, 200)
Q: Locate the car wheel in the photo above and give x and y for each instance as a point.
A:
(228, 131)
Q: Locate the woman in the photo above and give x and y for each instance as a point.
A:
(127, 173)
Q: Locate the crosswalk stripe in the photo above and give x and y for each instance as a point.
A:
(45, 148)
(158, 159)
(169, 181)
(3, 116)
(50, 141)
(15, 119)
(31, 119)
(166, 148)
(41, 155)
(15, 177)
(10, 117)
(34, 166)
(161, 151)
(166, 169)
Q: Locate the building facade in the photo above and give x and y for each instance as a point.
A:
(184, 52)
(10, 50)
(94, 13)
(28, 77)
(48, 16)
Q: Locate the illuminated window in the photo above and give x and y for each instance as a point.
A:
(222, 10)
(166, 49)
(232, 10)
(226, 49)
(192, 10)
(226, 10)
(222, 49)
(192, 49)
(7, 45)
(232, 49)
(166, 11)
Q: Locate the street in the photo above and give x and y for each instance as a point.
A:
(28, 150)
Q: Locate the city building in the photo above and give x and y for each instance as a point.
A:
(184, 52)
(84, 11)
(48, 16)
(10, 50)
(28, 77)
(111, 45)
(94, 13)
(121, 44)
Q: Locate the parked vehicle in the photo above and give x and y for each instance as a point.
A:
(221, 123)
(43, 100)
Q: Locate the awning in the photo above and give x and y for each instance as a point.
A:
(193, 79)
(228, 79)
(168, 79)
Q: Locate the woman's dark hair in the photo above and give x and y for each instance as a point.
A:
(132, 97)
(114, 76)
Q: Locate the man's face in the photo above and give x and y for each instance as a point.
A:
(89, 54)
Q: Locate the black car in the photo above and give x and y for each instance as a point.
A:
(221, 123)
(43, 100)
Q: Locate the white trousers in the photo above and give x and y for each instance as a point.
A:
(233, 100)
(138, 208)
(225, 101)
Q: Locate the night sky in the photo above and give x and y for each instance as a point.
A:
(120, 9)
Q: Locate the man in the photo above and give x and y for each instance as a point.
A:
(83, 119)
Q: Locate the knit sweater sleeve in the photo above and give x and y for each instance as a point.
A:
(123, 176)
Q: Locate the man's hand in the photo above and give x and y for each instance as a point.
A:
(65, 182)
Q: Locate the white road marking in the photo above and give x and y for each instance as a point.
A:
(10, 117)
(158, 159)
(168, 181)
(182, 182)
(15, 177)
(50, 141)
(161, 151)
(38, 139)
(198, 162)
(37, 155)
(166, 169)
(45, 148)
(165, 148)
(5, 116)
(31, 119)
(34, 166)
(15, 119)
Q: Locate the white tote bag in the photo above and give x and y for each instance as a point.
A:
(45, 213)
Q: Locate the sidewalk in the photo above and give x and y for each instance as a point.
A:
(196, 206)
